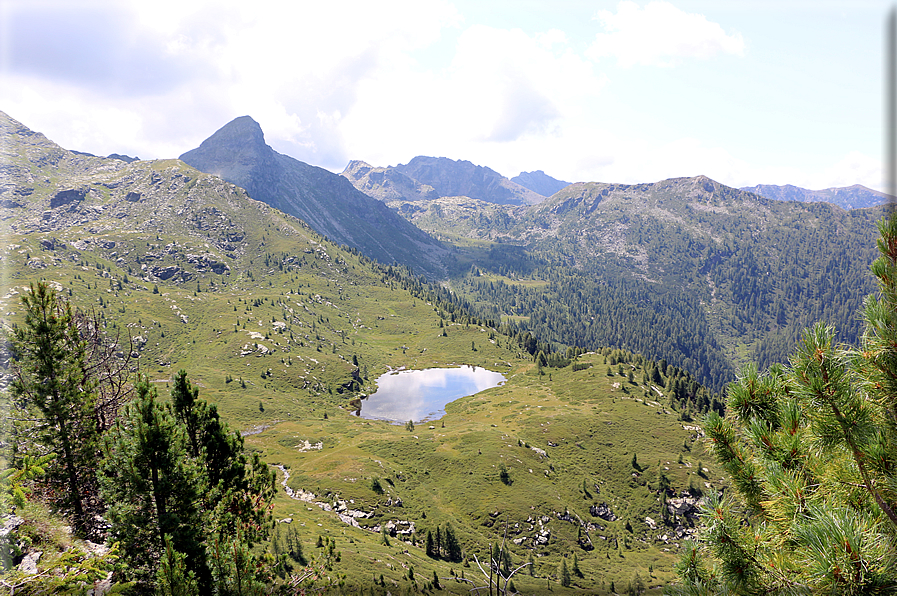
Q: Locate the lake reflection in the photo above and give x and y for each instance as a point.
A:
(422, 394)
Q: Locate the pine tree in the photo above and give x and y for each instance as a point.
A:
(173, 578)
(51, 380)
(235, 484)
(565, 574)
(452, 548)
(152, 490)
(812, 453)
(431, 546)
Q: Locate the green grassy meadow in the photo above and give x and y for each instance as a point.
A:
(284, 330)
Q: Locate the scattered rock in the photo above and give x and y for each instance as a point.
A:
(603, 511)
(28, 566)
(9, 524)
(51, 244)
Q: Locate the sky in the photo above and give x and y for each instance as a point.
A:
(743, 91)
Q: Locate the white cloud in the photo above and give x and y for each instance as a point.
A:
(386, 81)
(183, 68)
(502, 90)
(659, 35)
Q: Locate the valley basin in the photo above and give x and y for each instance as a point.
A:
(421, 395)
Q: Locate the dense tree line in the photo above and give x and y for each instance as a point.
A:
(585, 308)
(705, 301)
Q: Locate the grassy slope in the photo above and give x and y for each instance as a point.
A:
(313, 306)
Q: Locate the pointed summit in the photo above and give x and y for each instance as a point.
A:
(327, 202)
(233, 152)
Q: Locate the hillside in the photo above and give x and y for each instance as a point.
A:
(327, 202)
(686, 269)
(849, 197)
(270, 319)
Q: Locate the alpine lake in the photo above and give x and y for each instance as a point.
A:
(420, 395)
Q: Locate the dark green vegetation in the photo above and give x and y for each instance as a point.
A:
(283, 331)
(704, 275)
(812, 453)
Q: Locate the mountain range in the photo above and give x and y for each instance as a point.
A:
(848, 197)
(425, 178)
(687, 269)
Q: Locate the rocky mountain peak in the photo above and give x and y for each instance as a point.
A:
(243, 130)
(237, 148)
(325, 201)
(452, 178)
(539, 182)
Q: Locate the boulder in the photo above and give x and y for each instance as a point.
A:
(64, 197)
(603, 511)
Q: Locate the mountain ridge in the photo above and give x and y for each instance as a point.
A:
(697, 257)
(428, 178)
(540, 182)
(855, 196)
(329, 203)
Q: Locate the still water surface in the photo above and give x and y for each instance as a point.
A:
(422, 394)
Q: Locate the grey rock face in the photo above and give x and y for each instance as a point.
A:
(325, 201)
(64, 197)
(453, 178)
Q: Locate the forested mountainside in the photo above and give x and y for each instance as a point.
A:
(688, 269)
(585, 467)
(327, 202)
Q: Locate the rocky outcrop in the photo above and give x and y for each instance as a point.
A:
(603, 511)
(65, 197)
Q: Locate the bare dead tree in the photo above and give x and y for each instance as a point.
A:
(496, 578)
(105, 369)
(109, 364)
